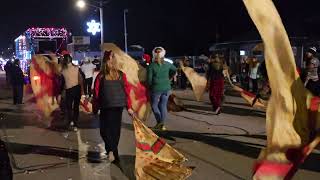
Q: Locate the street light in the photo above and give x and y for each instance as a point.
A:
(99, 5)
(81, 4)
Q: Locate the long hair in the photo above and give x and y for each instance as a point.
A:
(253, 64)
(110, 68)
(217, 61)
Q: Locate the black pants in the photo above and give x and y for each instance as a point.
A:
(17, 94)
(87, 86)
(5, 166)
(110, 128)
(184, 81)
(254, 85)
(73, 96)
(8, 79)
(314, 87)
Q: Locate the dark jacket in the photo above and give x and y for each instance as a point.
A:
(96, 102)
(17, 77)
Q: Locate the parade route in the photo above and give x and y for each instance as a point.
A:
(222, 147)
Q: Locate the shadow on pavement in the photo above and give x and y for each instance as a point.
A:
(228, 110)
(250, 150)
(17, 148)
(59, 122)
(127, 166)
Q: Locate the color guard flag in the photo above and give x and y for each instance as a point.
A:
(293, 121)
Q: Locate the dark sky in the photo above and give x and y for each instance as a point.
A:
(181, 26)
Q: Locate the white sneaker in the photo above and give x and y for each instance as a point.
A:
(103, 156)
(75, 129)
(111, 156)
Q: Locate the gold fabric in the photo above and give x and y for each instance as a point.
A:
(44, 77)
(40, 68)
(157, 161)
(137, 77)
(287, 111)
(198, 82)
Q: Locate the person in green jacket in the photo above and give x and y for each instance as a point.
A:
(159, 74)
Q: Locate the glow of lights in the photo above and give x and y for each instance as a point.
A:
(36, 78)
(47, 33)
(242, 53)
(93, 27)
(81, 4)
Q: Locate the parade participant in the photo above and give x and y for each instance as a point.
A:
(158, 76)
(253, 73)
(17, 82)
(184, 79)
(311, 76)
(147, 59)
(88, 69)
(215, 83)
(73, 84)
(111, 95)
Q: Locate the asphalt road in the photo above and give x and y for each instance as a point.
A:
(220, 147)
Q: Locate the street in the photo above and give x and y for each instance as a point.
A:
(222, 147)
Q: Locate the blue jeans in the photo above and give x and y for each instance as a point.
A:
(159, 101)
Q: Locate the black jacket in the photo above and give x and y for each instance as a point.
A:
(17, 76)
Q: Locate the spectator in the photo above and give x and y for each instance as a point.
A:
(253, 73)
(88, 69)
(8, 70)
(96, 62)
(244, 72)
(311, 74)
(17, 82)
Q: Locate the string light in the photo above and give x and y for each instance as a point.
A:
(47, 33)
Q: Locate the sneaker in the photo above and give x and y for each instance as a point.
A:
(111, 156)
(75, 129)
(158, 126)
(163, 128)
(103, 156)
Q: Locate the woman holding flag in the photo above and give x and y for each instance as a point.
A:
(215, 84)
(111, 95)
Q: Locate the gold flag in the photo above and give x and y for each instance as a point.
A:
(155, 159)
(247, 96)
(136, 76)
(198, 82)
(292, 122)
(43, 76)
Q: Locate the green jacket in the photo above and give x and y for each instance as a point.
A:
(159, 76)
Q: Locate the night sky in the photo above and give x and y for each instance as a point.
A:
(183, 27)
